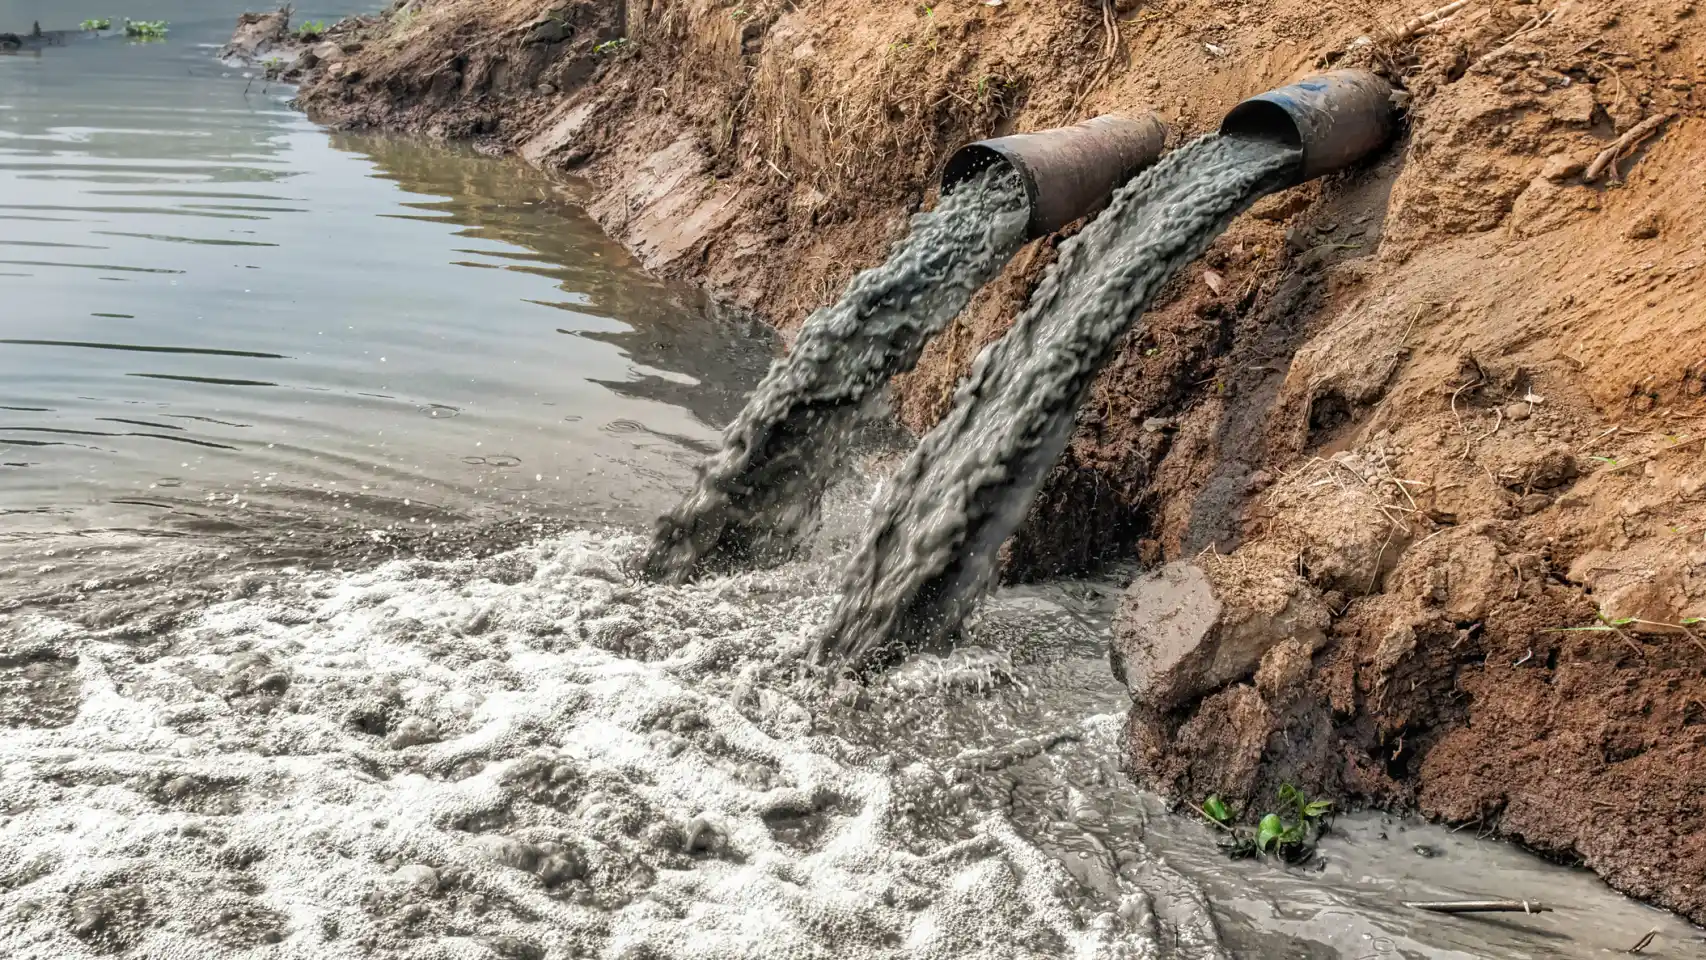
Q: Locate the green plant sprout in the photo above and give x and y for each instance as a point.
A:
(1289, 834)
(102, 23)
(312, 28)
(1275, 832)
(609, 47)
(145, 29)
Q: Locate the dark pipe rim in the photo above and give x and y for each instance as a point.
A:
(1334, 119)
(974, 158)
(1263, 120)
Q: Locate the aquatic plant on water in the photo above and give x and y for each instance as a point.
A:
(102, 23)
(1290, 834)
(145, 29)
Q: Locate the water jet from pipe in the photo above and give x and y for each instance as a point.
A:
(758, 496)
(1067, 172)
(1334, 118)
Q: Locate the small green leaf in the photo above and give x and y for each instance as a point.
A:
(1268, 831)
(1215, 809)
(1319, 808)
(1691, 621)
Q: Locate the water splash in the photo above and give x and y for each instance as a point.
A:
(930, 552)
(760, 493)
(526, 755)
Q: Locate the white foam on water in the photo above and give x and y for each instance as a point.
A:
(524, 756)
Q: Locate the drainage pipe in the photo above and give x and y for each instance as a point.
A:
(1335, 118)
(1067, 171)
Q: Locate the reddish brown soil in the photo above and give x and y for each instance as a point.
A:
(1458, 391)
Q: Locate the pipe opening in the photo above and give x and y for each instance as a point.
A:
(1067, 172)
(974, 158)
(1262, 120)
(968, 162)
(1334, 120)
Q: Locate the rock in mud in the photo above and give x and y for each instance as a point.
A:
(1524, 465)
(257, 35)
(1561, 166)
(108, 917)
(1652, 598)
(551, 863)
(413, 732)
(418, 877)
(702, 836)
(1193, 627)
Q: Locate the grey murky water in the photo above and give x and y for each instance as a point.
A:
(526, 755)
(930, 552)
(759, 494)
(212, 307)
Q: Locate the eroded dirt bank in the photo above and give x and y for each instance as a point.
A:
(1395, 433)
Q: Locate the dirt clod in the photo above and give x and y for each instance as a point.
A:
(1195, 626)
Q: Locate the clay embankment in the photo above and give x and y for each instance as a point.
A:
(1396, 432)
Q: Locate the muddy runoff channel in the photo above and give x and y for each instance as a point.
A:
(227, 735)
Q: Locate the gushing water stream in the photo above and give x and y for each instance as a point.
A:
(930, 552)
(761, 490)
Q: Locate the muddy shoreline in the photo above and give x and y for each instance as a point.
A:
(1423, 436)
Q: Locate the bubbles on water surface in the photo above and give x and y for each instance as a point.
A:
(527, 755)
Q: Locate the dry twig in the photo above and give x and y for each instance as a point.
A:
(1468, 438)
(1409, 30)
(1110, 50)
(1618, 77)
(1532, 25)
(1478, 906)
(1610, 155)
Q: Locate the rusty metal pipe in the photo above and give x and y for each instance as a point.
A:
(1335, 118)
(1067, 171)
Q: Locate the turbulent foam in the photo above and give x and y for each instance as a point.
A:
(930, 551)
(760, 492)
(525, 756)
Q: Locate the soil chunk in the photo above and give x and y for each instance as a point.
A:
(1193, 627)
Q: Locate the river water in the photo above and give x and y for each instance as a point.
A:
(227, 331)
(208, 298)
